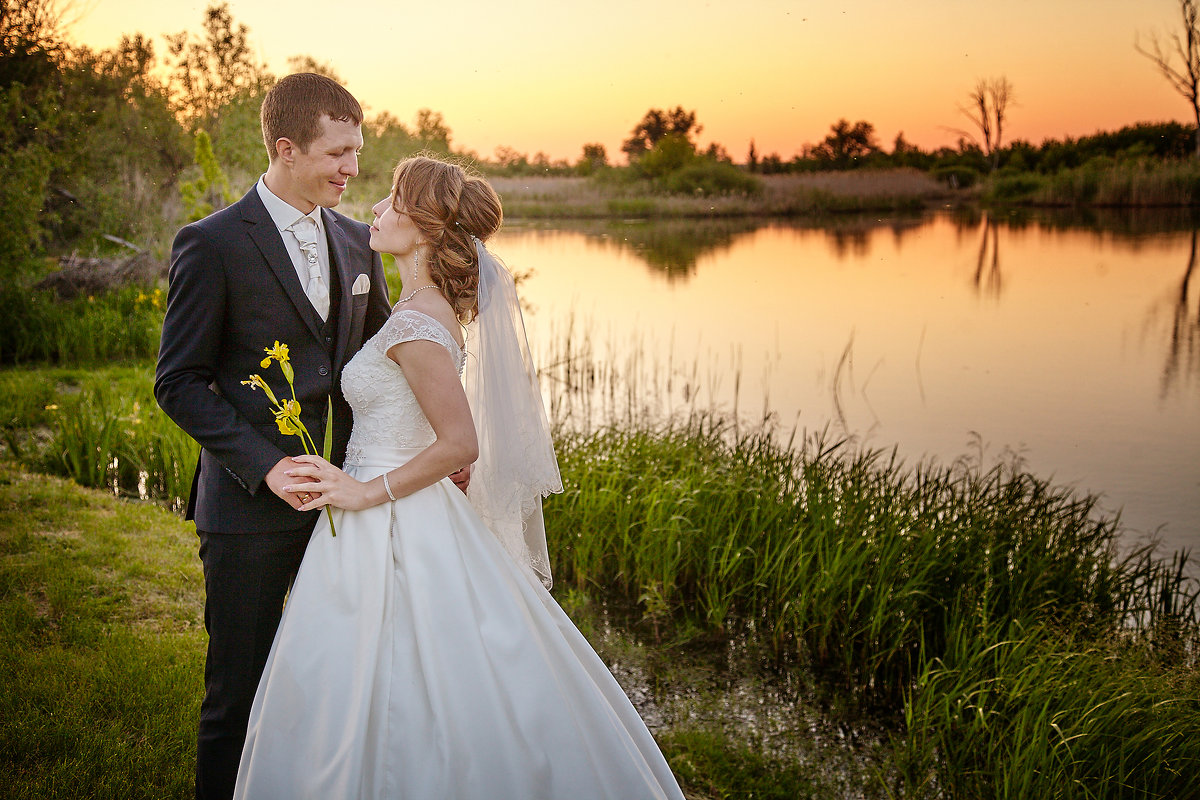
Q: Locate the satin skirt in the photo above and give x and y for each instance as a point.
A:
(416, 659)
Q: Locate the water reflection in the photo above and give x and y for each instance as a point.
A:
(1183, 351)
(670, 247)
(1078, 346)
(674, 247)
(1122, 223)
(987, 271)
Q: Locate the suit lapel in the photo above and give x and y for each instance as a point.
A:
(339, 257)
(262, 231)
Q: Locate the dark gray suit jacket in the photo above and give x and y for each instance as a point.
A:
(233, 292)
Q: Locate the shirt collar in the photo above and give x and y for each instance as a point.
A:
(283, 214)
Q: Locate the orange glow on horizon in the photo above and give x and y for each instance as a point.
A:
(780, 72)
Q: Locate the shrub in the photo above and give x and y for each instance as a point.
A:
(1007, 188)
(711, 177)
(956, 176)
(26, 161)
(209, 191)
(673, 152)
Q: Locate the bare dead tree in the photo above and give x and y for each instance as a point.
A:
(1185, 78)
(988, 111)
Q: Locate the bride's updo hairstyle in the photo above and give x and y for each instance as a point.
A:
(448, 206)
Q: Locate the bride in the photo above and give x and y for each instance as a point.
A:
(420, 654)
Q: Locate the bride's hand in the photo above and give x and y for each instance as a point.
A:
(336, 488)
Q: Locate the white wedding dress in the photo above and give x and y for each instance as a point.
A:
(417, 660)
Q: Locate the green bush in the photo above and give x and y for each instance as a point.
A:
(209, 190)
(116, 152)
(956, 176)
(673, 152)
(674, 166)
(26, 162)
(711, 177)
(1007, 188)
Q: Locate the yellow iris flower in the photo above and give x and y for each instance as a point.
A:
(287, 417)
(277, 351)
(257, 382)
(287, 412)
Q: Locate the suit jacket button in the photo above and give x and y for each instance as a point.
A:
(323, 371)
(328, 340)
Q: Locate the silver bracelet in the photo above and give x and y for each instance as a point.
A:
(387, 487)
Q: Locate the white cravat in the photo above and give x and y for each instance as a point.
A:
(305, 231)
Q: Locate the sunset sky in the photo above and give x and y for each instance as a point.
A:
(540, 76)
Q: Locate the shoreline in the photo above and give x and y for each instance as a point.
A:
(822, 195)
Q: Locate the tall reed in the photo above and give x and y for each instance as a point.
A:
(101, 428)
(123, 443)
(119, 325)
(848, 560)
(1011, 711)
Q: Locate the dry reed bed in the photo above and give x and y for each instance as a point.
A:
(780, 195)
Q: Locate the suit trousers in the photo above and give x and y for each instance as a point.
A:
(246, 578)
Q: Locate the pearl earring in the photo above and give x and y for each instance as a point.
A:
(416, 264)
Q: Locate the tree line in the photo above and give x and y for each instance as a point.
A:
(126, 142)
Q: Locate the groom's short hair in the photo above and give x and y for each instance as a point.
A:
(295, 106)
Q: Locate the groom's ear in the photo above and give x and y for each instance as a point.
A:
(285, 150)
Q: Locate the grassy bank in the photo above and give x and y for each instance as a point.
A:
(102, 647)
(100, 428)
(1101, 183)
(101, 657)
(983, 615)
(985, 608)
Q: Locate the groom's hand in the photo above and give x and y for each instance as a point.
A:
(277, 478)
(462, 478)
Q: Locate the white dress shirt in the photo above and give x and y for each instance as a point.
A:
(283, 214)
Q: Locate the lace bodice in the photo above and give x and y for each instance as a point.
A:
(386, 411)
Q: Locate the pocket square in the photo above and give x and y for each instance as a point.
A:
(362, 285)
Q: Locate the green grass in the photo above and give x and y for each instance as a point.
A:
(983, 612)
(1014, 713)
(119, 325)
(101, 428)
(101, 657)
(699, 755)
(983, 615)
(849, 561)
(102, 647)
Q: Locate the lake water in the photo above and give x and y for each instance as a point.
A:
(1074, 344)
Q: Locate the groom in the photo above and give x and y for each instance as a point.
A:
(276, 265)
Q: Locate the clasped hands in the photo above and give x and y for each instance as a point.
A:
(291, 478)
